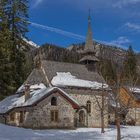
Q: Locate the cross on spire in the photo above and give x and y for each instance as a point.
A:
(89, 17)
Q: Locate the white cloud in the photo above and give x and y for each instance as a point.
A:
(58, 31)
(37, 3)
(132, 26)
(122, 40)
(122, 3)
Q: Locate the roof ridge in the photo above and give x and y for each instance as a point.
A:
(62, 62)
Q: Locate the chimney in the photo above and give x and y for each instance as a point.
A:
(27, 92)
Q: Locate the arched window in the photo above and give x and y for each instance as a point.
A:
(82, 117)
(88, 107)
(54, 101)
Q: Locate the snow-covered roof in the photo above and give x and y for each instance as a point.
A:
(63, 79)
(32, 87)
(17, 100)
(134, 89)
(135, 92)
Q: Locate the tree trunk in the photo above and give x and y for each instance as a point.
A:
(102, 122)
(118, 128)
(102, 115)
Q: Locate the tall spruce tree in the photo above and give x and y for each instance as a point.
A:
(130, 65)
(6, 80)
(13, 27)
(18, 23)
(107, 70)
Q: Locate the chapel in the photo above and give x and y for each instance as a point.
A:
(60, 94)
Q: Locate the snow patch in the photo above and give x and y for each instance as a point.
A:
(63, 79)
(31, 43)
(32, 87)
(135, 90)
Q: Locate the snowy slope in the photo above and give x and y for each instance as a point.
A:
(13, 133)
(31, 43)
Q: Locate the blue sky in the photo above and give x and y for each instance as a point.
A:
(113, 21)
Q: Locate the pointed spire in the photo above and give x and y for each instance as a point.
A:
(89, 17)
(89, 58)
(89, 41)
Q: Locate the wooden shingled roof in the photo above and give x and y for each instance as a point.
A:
(133, 94)
(90, 58)
(52, 67)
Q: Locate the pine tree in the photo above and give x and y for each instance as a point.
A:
(130, 65)
(6, 80)
(18, 22)
(13, 27)
(107, 70)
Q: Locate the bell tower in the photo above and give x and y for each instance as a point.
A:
(89, 59)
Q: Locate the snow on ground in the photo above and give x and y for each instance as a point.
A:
(13, 133)
(63, 79)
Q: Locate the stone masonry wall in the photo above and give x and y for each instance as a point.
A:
(40, 116)
(134, 114)
(94, 118)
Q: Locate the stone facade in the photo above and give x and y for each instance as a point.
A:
(92, 119)
(2, 119)
(39, 116)
(133, 116)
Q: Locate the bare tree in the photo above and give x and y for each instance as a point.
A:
(119, 107)
(102, 103)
